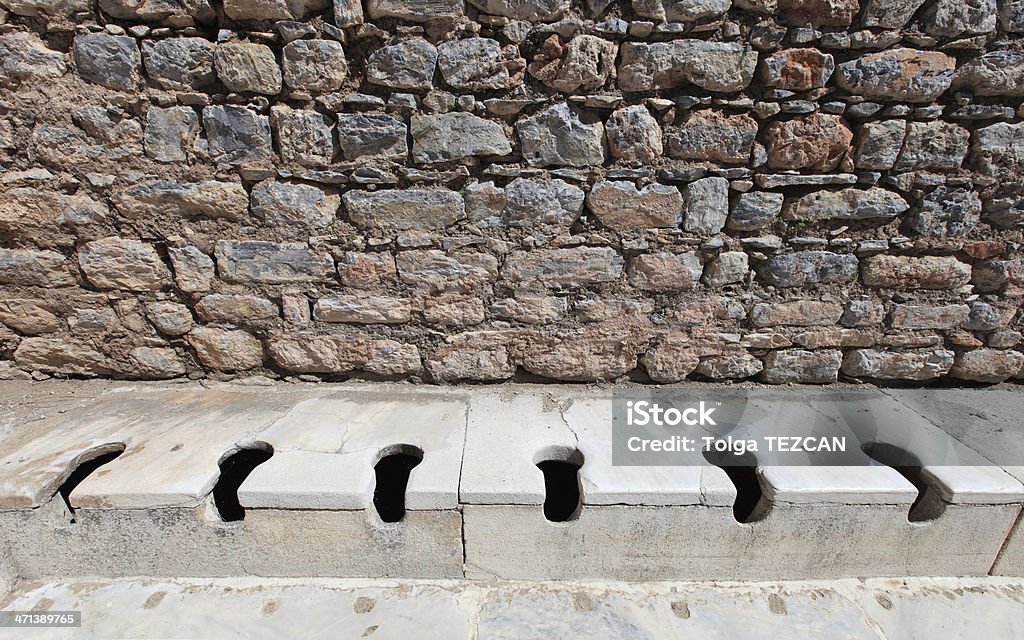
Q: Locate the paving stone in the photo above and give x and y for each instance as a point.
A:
(854, 607)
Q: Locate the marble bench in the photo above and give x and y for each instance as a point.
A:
(475, 500)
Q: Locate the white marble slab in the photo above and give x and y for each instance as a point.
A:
(959, 473)
(508, 434)
(174, 443)
(172, 440)
(590, 419)
(842, 485)
(310, 480)
(345, 434)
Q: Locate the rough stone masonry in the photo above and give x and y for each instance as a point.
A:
(795, 191)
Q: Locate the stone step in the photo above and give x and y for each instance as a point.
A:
(376, 480)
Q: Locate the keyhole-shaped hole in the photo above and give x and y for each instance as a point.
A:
(928, 505)
(562, 498)
(392, 476)
(742, 471)
(234, 469)
(85, 469)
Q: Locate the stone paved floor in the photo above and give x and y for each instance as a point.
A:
(988, 608)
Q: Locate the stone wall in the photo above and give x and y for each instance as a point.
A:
(783, 190)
